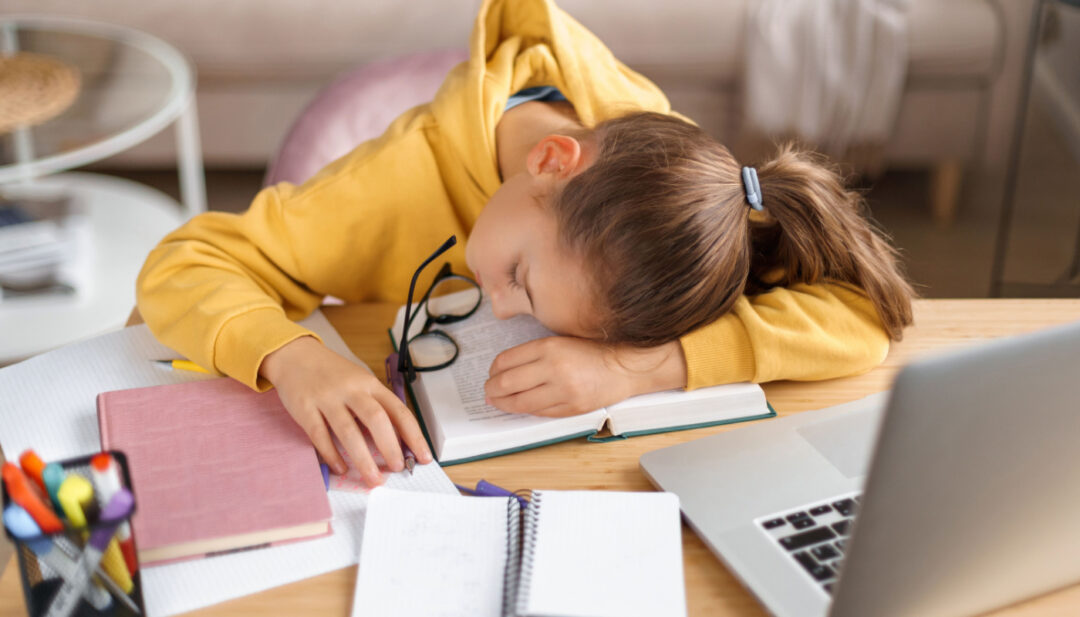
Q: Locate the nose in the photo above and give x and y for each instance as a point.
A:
(501, 306)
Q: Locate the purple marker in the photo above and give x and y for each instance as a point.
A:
(487, 489)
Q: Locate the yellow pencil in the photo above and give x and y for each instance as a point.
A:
(183, 365)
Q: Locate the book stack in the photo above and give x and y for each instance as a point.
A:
(43, 249)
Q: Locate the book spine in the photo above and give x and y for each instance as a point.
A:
(102, 423)
(513, 557)
(528, 548)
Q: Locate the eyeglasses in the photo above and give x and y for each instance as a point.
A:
(451, 298)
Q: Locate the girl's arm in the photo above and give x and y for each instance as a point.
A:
(802, 332)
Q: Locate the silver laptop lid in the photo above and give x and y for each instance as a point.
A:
(973, 495)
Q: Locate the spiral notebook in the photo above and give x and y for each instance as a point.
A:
(569, 554)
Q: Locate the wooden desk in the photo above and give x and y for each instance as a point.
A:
(711, 589)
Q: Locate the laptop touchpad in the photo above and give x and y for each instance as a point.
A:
(846, 441)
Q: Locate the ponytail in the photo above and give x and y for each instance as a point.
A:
(661, 218)
(814, 230)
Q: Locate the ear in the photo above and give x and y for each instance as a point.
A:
(558, 156)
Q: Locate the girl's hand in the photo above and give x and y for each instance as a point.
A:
(565, 376)
(324, 392)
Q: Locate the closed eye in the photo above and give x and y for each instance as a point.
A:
(511, 275)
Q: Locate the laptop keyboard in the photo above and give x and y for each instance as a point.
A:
(815, 536)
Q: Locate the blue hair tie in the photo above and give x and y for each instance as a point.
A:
(752, 187)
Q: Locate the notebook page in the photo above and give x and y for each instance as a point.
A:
(49, 404)
(601, 554)
(428, 554)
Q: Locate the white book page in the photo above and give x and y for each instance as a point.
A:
(603, 554)
(428, 554)
(49, 403)
(452, 399)
(673, 408)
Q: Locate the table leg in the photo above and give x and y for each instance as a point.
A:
(189, 157)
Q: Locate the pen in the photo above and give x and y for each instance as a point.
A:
(32, 466)
(182, 365)
(106, 478)
(53, 476)
(396, 381)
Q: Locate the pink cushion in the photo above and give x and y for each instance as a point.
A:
(356, 107)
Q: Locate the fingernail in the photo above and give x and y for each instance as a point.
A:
(340, 469)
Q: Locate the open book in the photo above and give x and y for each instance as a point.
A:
(462, 427)
(572, 553)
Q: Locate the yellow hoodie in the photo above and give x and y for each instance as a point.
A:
(224, 289)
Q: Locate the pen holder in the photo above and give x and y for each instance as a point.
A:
(45, 573)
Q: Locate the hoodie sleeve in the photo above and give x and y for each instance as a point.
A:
(802, 332)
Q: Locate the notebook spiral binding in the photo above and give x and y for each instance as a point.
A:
(513, 557)
(528, 546)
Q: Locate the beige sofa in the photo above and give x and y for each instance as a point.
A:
(260, 61)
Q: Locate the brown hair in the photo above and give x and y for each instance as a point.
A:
(661, 218)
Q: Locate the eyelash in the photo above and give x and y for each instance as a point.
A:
(512, 274)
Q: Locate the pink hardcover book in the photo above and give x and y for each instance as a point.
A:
(215, 466)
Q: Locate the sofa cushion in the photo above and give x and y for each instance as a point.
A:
(701, 39)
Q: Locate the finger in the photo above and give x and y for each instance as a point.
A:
(324, 445)
(348, 433)
(530, 401)
(377, 422)
(517, 379)
(516, 356)
(406, 424)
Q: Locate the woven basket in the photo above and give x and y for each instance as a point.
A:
(34, 88)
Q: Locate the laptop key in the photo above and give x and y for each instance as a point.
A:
(824, 552)
(828, 587)
(842, 527)
(816, 570)
(797, 516)
(806, 538)
(803, 523)
(774, 523)
(846, 507)
(818, 511)
(842, 545)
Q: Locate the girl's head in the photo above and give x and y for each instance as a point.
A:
(639, 232)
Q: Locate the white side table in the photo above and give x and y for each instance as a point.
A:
(133, 86)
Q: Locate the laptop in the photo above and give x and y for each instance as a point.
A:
(956, 492)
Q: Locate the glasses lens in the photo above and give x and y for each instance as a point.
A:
(453, 295)
(431, 349)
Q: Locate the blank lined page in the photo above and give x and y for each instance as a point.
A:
(603, 553)
(431, 554)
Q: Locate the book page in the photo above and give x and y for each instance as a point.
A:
(452, 399)
(430, 554)
(602, 553)
(673, 408)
